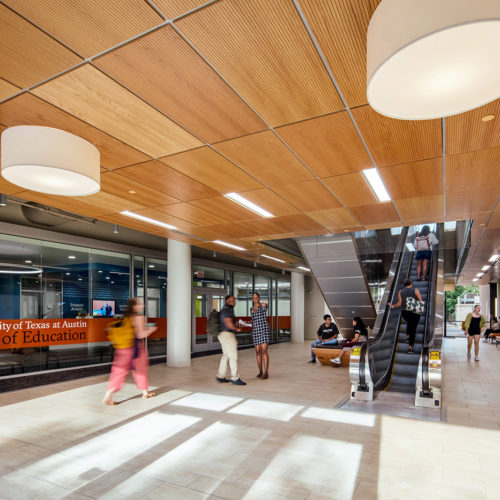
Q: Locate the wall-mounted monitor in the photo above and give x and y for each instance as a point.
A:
(103, 308)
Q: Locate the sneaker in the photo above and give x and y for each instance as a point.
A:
(238, 382)
(476, 358)
(468, 355)
(336, 361)
(312, 361)
(222, 380)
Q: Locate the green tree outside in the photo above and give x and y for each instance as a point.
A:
(451, 298)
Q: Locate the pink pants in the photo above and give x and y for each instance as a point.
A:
(122, 363)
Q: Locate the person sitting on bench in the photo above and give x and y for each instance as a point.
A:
(360, 335)
(327, 335)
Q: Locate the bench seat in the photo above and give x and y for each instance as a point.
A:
(325, 354)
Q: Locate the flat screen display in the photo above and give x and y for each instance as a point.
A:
(103, 308)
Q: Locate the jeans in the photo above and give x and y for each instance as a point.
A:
(319, 342)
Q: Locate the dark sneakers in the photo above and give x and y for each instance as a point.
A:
(312, 361)
(222, 380)
(238, 382)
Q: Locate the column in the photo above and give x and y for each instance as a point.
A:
(484, 300)
(179, 304)
(297, 307)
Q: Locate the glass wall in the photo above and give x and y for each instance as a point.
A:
(157, 304)
(242, 290)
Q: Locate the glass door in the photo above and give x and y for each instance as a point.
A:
(203, 304)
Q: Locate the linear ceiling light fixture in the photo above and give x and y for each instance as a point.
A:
(147, 219)
(50, 161)
(229, 245)
(485, 268)
(272, 258)
(429, 59)
(493, 258)
(303, 268)
(248, 204)
(376, 184)
(475, 279)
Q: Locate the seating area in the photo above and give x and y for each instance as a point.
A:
(326, 353)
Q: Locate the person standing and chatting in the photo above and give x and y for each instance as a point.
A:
(260, 335)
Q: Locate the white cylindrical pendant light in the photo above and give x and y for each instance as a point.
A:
(50, 161)
(433, 58)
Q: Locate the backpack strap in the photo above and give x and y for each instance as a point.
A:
(428, 244)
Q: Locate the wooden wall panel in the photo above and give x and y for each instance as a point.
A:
(26, 109)
(191, 213)
(393, 141)
(121, 186)
(269, 201)
(329, 145)
(352, 190)
(420, 209)
(174, 8)
(27, 55)
(212, 169)
(167, 180)
(307, 196)
(7, 89)
(336, 219)
(467, 132)
(189, 92)
(266, 157)
(380, 213)
(262, 48)
(411, 180)
(340, 28)
(92, 26)
(93, 97)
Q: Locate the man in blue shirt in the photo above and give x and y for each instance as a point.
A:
(229, 343)
(327, 335)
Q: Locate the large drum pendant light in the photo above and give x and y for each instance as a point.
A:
(50, 161)
(433, 58)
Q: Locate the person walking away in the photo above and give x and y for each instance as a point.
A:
(474, 323)
(360, 335)
(410, 317)
(260, 334)
(229, 344)
(327, 335)
(424, 242)
(131, 353)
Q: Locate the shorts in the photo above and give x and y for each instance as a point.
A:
(471, 334)
(423, 255)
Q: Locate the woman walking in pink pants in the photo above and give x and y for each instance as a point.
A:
(131, 353)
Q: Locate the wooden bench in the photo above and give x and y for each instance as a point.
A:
(325, 355)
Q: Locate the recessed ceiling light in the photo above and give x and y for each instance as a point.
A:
(376, 184)
(248, 204)
(132, 191)
(71, 257)
(303, 268)
(79, 279)
(272, 258)
(67, 274)
(151, 266)
(147, 219)
(479, 275)
(487, 118)
(107, 277)
(475, 279)
(100, 271)
(229, 245)
(494, 257)
(28, 261)
(485, 268)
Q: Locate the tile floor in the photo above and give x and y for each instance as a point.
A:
(280, 438)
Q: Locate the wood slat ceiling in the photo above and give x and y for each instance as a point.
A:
(92, 26)
(264, 50)
(182, 114)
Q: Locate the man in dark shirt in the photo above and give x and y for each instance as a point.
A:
(229, 343)
(327, 334)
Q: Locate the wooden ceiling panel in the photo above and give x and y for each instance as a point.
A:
(26, 109)
(225, 232)
(299, 222)
(160, 215)
(393, 141)
(160, 177)
(191, 213)
(212, 169)
(266, 157)
(174, 8)
(340, 28)
(27, 55)
(374, 214)
(467, 132)
(269, 201)
(93, 97)
(8, 188)
(351, 189)
(133, 191)
(307, 196)
(262, 227)
(413, 180)
(7, 89)
(466, 204)
(263, 49)
(494, 222)
(335, 219)
(92, 26)
(224, 208)
(329, 145)
(189, 92)
(416, 210)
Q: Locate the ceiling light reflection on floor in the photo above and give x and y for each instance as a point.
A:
(266, 409)
(340, 416)
(205, 401)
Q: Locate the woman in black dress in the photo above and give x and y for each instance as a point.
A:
(474, 323)
(261, 335)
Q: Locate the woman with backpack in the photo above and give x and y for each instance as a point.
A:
(131, 354)
(423, 244)
(261, 335)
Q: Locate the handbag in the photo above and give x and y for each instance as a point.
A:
(415, 306)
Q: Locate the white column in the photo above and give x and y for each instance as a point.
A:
(179, 304)
(297, 307)
(484, 300)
